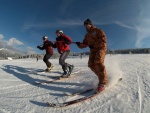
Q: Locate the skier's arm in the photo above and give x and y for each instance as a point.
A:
(54, 45)
(41, 48)
(81, 45)
(50, 44)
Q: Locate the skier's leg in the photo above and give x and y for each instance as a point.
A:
(62, 62)
(96, 64)
(100, 68)
(91, 61)
(63, 57)
(46, 60)
(100, 71)
(68, 66)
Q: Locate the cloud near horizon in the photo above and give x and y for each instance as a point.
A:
(14, 45)
(14, 41)
(1, 36)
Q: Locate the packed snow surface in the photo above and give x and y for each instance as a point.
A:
(19, 94)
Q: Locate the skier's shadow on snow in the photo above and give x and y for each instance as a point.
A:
(19, 72)
(49, 73)
(39, 103)
(22, 74)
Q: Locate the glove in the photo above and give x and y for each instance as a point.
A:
(78, 43)
(58, 38)
(91, 46)
(39, 47)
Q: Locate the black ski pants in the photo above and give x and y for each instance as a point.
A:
(46, 59)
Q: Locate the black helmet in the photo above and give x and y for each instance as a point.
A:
(87, 21)
(59, 31)
(45, 37)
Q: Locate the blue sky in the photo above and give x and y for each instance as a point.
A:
(126, 23)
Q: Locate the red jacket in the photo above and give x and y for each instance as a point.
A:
(48, 47)
(61, 45)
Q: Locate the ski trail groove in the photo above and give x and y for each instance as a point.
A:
(139, 91)
(10, 87)
(9, 80)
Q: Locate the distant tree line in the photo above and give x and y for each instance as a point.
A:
(39, 56)
(4, 54)
(130, 51)
(54, 56)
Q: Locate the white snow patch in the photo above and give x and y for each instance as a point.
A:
(9, 58)
(18, 94)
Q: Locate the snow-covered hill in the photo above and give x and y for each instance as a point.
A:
(18, 94)
(4, 52)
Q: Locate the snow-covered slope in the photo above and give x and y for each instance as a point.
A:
(19, 94)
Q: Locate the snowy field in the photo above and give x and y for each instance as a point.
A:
(19, 94)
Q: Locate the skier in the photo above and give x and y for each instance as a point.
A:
(96, 40)
(62, 45)
(37, 57)
(47, 45)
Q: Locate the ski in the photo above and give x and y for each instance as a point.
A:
(73, 101)
(43, 71)
(79, 92)
(57, 78)
(95, 93)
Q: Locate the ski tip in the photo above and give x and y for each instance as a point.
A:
(66, 93)
(37, 82)
(49, 104)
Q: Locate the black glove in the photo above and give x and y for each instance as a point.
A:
(58, 38)
(39, 47)
(91, 46)
(78, 43)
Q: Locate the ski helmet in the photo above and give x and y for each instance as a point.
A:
(45, 37)
(59, 31)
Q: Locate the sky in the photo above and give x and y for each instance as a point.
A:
(23, 23)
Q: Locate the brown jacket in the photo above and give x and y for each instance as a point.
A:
(95, 37)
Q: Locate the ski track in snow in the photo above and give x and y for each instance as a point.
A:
(131, 95)
(139, 92)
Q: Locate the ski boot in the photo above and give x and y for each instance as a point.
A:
(49, 68)
(65, 74)
(71, 67)
(100, 88)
